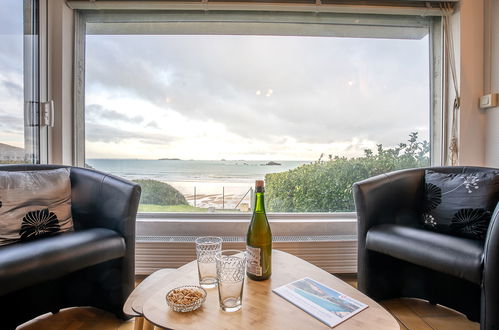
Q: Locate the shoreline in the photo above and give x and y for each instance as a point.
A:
(215, 194)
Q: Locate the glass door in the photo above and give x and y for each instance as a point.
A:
(19, 82)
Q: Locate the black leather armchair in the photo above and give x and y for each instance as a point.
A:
(92, 266)
(398, 258)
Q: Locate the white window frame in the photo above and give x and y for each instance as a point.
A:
(287, 224)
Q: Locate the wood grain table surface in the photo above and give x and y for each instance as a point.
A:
(261, 308)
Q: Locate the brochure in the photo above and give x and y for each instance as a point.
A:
(327, 305)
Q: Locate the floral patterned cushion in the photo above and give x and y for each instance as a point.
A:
(460, 203)
(34, 204)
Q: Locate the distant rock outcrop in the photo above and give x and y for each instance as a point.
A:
(271, 163)
(11, 154)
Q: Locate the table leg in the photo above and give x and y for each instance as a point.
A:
(148, 325)
(138, 323)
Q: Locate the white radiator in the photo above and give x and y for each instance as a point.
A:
(333, 253)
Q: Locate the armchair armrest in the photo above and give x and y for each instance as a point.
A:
(103, 200)
(106, 201)
(388, 198)
(490, 285)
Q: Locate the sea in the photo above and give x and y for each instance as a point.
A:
(205, 183)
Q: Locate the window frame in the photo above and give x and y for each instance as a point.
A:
(200, 222)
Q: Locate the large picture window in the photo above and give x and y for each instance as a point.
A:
(196, 110)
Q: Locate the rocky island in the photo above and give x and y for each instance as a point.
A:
(271, 163)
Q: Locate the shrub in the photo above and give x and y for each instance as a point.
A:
(160, 193)
(326, 186)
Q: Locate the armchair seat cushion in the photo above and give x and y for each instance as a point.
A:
(460, 257)
(25, 264)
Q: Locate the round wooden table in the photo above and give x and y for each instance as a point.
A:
(262, 309)
(144, 291)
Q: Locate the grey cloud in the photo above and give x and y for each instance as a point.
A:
(13, 88)
(11, 55)
(11, 17)
(159, 142)
(96, 112)
(152, 124)
(104, 133)
(9, 123)
(11, 36)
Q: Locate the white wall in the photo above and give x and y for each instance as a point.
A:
(472, 121)
(491, 81)
(476, 43)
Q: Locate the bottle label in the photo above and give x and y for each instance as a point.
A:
(253, 265)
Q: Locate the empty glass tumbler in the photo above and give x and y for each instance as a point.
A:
(231, 271)
(206, 249)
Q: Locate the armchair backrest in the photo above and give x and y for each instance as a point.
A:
(396, 195)
(98, 199)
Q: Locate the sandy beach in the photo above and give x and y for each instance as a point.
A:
(218, 195)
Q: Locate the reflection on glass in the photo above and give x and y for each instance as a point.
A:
(196, 119)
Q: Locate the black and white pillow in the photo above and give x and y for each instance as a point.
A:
(34, 204)
(460, 203)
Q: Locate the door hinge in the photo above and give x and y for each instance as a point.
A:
(47, 113)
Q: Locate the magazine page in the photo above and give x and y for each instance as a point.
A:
(327, 305)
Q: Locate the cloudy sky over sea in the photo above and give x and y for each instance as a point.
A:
(238, 97)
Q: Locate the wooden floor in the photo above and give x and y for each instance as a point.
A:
(411, 313)
(419, 314)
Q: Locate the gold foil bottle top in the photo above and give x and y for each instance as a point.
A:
(259, 184)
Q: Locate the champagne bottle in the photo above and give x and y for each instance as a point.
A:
(259, 240)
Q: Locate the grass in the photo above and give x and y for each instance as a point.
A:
(170, 208)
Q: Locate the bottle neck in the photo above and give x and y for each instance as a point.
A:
(259, 204)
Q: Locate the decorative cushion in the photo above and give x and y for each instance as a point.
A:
(460, 203)
(34, 204)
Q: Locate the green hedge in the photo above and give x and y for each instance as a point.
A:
(160, 193)
(326, 186)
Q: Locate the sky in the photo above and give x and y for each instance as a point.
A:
(235, 96)
(11, 74)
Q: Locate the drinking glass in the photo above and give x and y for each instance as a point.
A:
(206, 249)
(231, 270)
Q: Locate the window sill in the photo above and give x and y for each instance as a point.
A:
(236, 224)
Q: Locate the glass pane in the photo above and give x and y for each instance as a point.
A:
(197, 118)
(18, 82)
